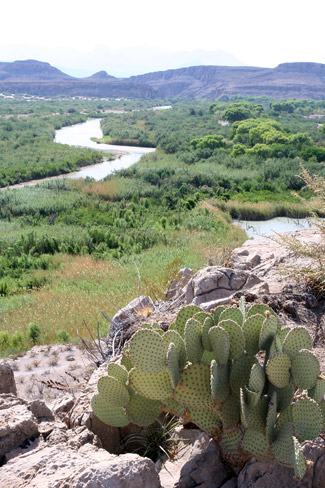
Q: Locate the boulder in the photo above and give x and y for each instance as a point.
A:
(17, 424)
(7, 379)
(215, 285)
(127, 318)
(197, 463)
(88, 467)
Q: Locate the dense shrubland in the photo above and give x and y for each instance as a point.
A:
(173, 205)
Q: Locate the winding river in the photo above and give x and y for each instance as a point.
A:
(80, 135)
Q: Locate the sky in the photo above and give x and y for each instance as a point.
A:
(95, 35)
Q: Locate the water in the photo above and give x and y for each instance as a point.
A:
(256, 228)
(80, 135)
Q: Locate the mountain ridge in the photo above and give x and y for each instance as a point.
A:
(287, 80)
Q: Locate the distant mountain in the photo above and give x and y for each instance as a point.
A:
(288, 80)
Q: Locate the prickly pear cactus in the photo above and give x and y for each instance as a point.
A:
(236, 373)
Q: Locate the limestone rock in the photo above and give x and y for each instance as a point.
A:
(17, 424)
(41, 410)
(7, 379)
(89, 467)
(215, 285)
(196, 464)
(126, 319)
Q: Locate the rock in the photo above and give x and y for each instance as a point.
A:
(215, 285)
(196, 464)
(63, 404)
(290, 307)
(127, 318)
(41, 410)
(174, 287)
(7, 379)
(89, 467)
(17, 424)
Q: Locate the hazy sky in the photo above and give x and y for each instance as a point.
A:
(256, 32)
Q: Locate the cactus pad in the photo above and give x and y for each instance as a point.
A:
(201, 316)
(260, 308)
(252, 397)
(183, 315)
(271, 418)
(114, 416)
(307, 419)
(113, 392)
(173, 336)
(252, 329)
(318, 391)
(208, 356)
(126, 361)
(219, 377)
(206, 420)
(173, 364)
(278, 370)
(256, 443)
(193, 340)
(283, 446)
(220, 343)
(153, 386)
(217, 312)
(194, 389)
(297, 339)
(256, 416)
(284, 395)
(170, 405)
(256, 378)
(299, 463)
(236, 336)
(229, 411)
(148, 351)
(284, 417)
(232, 314)
(268, 332)
(231, 439)
(142, 411)
(240, 372)
(208, 323)
(305, 369)
(118, 372)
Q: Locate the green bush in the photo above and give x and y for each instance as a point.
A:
(34, 333)
(63, 335)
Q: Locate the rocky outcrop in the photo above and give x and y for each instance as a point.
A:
(17, 423)
(7, 379)
(126, 319)
(215, 286)
(87, 467)
(197, 463)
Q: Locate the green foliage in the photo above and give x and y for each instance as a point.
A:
(63, 336)
(34, 333)
(247, 402)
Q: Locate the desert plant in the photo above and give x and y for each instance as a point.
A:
(158, 440)
(63, 335)
(237, 374)
(17, 340)
(5, 341)
(34, 332)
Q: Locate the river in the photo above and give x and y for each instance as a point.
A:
(260, 228)
(80, 135)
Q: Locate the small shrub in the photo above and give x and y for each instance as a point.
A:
(63, 335)
(34, 332)
(4, 340)
(17, 340)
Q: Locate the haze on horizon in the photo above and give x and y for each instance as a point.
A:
(129, 38)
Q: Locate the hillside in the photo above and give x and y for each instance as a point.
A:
(288, 80)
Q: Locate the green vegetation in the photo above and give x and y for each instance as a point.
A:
(73, 242)
(208, 369)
